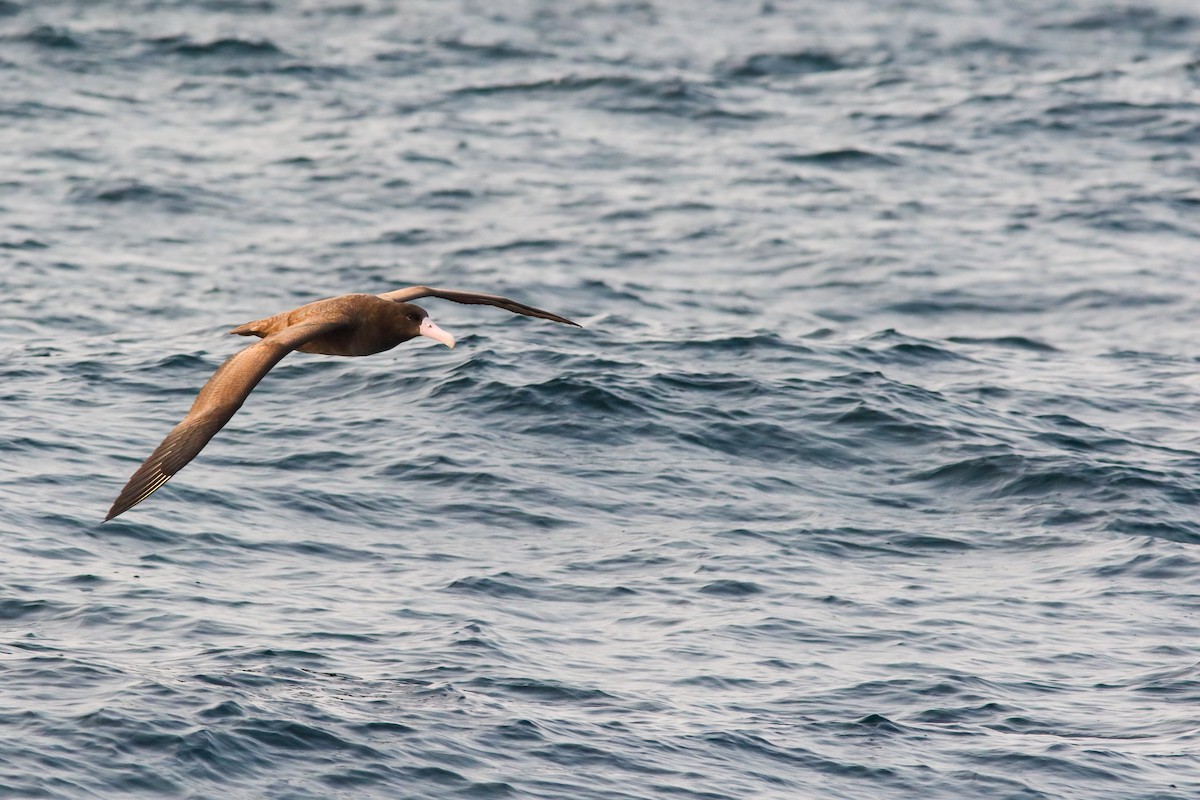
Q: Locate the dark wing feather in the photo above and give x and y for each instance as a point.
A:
(217, 402)
(474, 299)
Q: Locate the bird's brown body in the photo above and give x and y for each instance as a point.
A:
(373, 325)
(349, 325)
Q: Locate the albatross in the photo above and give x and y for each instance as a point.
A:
(349, 325)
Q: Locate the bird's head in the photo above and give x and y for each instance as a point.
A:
(416, 322)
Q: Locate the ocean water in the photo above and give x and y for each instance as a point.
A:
(873, 473)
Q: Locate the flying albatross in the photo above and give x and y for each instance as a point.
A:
(350, 325)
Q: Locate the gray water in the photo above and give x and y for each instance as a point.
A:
(872, 473)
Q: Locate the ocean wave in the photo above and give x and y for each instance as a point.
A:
(220, 49)
(803, 62)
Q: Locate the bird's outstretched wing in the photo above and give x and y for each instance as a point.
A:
(217, 402)
(475, 299)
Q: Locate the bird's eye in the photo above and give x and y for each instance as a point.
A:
(414, 318)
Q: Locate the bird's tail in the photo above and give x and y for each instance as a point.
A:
(258, 327)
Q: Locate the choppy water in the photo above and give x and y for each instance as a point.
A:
(873, 474)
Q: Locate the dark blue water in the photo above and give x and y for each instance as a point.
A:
(874, 472)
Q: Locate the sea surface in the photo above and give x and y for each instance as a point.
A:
(873, 474)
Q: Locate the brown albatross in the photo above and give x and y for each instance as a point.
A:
(350, 325)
